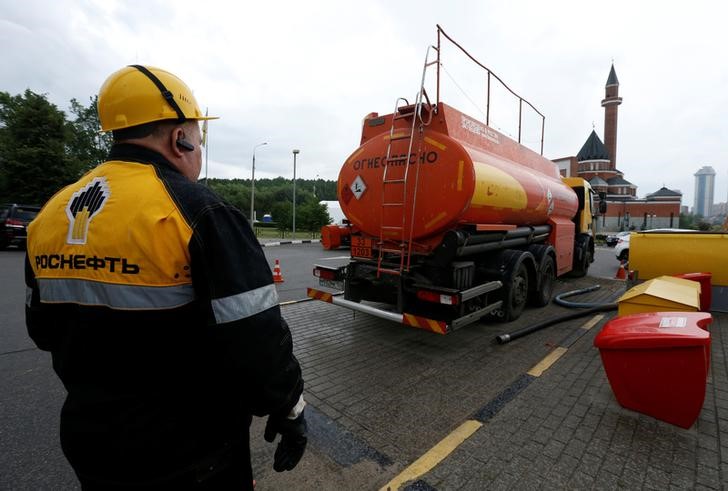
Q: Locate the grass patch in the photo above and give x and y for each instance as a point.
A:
(272, 233)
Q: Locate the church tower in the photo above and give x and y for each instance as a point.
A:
(610, 103)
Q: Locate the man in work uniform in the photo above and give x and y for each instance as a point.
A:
(158, 306)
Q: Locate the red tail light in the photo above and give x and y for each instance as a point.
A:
(434, 297)
(325, 274)
(12, 222)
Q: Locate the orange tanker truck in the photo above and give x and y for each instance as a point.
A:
(452, 220)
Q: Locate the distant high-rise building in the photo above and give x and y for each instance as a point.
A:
(704, 187)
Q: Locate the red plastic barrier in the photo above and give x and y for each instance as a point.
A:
(706, 294)
(657, 363)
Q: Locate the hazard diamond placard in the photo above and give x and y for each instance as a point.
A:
(358, 187)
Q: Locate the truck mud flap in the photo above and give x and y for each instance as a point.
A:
(436, 326)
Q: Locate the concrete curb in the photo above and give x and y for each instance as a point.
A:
(286, 242)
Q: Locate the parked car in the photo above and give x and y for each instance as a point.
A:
(14, 220)
(621, 250)
(612, 240)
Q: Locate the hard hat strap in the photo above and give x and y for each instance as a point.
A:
(168, 96)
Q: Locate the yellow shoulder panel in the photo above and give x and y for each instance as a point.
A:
(117, 224)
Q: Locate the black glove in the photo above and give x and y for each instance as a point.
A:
(293, 440)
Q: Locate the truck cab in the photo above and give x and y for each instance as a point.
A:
(588, 212)
(584, 222)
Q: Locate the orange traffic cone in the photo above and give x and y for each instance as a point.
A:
(621, 272)
(277, 276)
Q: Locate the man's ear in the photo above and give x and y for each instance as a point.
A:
(174, 137)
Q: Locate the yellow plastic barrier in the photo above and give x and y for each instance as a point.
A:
(663, 294)
(658, 254)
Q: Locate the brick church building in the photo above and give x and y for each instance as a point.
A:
(596, 162)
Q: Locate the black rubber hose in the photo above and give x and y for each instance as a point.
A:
(506, 338)
(577, 305)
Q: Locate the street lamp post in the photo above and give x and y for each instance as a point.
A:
(252, 185)
(295, 152)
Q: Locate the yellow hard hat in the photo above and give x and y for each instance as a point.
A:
(139, 94)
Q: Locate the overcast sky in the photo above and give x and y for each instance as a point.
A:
(304, 74)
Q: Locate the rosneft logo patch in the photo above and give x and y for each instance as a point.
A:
(85, 204)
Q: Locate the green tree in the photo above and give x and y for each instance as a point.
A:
(312, 216)
(86, 145)
(234, 192)
(704, 226)
(282, 213)
(325, 190)
(271, 195)
(264, 201)
(689, 221)
(33, 136)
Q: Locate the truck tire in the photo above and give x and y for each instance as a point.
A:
(515, 293)
(582, 258)
(516, 270)
(541, 296)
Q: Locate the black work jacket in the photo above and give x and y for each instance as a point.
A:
(157, 303)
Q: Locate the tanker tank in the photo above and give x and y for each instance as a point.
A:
(462, 172)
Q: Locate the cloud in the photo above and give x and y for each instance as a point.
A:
(303, 74)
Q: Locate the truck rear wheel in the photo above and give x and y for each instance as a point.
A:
(541, 295)
(515, 294)
(582, 257)
(581, 266)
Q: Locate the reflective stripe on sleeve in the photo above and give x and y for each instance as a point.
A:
(246, 304)
(298, 408)
(131, 297)
(28, 295)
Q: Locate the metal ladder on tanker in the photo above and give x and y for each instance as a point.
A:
(397, 228)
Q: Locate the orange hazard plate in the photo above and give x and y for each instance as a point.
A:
(361, 246)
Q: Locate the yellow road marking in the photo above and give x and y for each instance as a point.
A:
(546, 363)
(435, 455)
(446, 446)
(593, 322)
